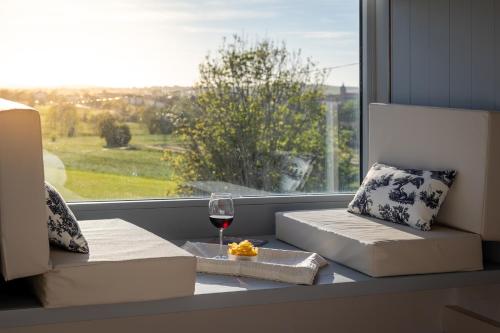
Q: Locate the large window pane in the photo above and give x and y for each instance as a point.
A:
(158, 99)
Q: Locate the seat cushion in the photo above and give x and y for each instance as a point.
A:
(379, 248)
(125, 263)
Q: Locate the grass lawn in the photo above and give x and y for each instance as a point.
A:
(102, 186)
(88, 153)
(94, 172)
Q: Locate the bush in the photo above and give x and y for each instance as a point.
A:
(121, 137)
(116, 135)
(159, 121)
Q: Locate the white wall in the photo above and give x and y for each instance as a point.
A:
(403, 312)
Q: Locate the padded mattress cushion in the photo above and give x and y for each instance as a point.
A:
(125, 263)
(24, 243)
(379, 248)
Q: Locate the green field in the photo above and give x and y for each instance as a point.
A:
(96, 185)
(90, 171)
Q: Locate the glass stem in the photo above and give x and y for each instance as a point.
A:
(221, 230)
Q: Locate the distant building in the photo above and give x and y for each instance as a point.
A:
(347, 96)
(159, 104)
(343, 95)
(135, 100)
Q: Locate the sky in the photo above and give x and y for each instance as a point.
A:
(138, 43)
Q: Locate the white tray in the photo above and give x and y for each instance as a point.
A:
(297, 267)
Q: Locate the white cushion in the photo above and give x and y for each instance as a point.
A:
(431, 138)
(24, 239)
(125, 263)
(379, 248)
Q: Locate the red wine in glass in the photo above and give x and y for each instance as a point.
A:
(221, 214)
(221, 221)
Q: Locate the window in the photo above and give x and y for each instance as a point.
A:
(158, 99)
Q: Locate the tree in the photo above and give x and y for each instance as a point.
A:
(254, 104)
(62, 119)
(116, 135)
(159, 120)
(348, 144)
(348, 160)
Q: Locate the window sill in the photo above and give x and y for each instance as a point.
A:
(203, 202)
(216, 292)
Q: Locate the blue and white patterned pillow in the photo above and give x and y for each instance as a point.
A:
(405, 196)
(64, 230)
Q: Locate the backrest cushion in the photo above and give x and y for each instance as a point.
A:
(24, 245)
(433, 138)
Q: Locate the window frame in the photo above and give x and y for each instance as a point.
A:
(188, 218)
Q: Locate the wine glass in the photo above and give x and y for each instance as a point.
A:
(221, 214)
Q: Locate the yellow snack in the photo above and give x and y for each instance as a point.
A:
(244, 248)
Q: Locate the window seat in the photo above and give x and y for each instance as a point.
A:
(20, 308)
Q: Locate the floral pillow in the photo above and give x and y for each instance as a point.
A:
(405, 196)
(63, 226)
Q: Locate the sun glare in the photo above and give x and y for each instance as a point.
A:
(145, 43)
